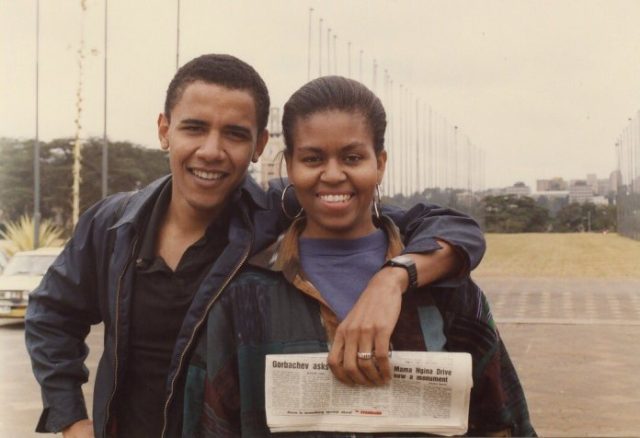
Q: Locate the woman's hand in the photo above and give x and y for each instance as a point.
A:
(370, 323)
(367, 329)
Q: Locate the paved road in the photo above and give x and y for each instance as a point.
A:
(575, 344)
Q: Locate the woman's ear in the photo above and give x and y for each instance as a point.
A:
(288, 160)
(382, 165)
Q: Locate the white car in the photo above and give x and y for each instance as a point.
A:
(21, 275)
(3, 260)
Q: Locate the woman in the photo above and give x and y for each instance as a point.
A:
(334, 135)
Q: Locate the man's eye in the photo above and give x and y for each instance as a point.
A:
(238, 135)
(192, 128)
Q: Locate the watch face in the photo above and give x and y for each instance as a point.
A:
(403, 259)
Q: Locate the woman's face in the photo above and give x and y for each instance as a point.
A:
(334, 169)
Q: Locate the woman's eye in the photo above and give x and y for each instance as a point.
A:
(311, 159)
(353, 158)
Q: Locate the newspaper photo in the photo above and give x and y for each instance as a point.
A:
(429, 393)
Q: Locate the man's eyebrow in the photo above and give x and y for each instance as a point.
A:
(194, 122)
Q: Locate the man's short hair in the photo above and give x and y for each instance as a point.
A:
(227, 71)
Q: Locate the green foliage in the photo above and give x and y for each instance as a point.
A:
(451, 198)
(130, 167)
(585, 217)
(20, 235)
(554, 205)
(513, 214)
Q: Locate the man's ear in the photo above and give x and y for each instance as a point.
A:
(163, 129)
(382, 165)
(261, 143)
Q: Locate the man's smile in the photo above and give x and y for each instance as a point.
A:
(207, 174)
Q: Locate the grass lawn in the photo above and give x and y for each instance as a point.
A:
(560, 255)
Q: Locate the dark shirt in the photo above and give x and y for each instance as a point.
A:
(160, 301)
(341, 268)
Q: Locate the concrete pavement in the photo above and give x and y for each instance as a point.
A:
(574, 342)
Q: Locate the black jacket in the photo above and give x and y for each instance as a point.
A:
(91, 282)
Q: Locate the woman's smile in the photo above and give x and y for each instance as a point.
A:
(335, 169)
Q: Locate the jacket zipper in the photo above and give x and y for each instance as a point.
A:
(117, 322)
(197, 326)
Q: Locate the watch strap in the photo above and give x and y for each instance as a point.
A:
(407, 264)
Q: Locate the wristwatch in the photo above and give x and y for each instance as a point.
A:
(404, 261)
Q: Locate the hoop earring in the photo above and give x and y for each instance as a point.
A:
(376, 202)
(284, 210)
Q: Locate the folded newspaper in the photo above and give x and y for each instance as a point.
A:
(429, 393)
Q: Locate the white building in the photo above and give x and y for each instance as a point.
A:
(580, 192)
(518, 189)
(272, 161)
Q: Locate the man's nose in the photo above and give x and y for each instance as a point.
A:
(212, 148)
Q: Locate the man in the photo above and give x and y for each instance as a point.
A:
(150, 265)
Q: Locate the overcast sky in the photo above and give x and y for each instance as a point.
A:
(543, 87)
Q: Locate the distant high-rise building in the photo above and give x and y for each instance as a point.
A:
(553, 184)
(580, 191)
(592, 181)
(614, 181)
(518, 189)
(272, 161)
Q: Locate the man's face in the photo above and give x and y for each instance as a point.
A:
(211, 139)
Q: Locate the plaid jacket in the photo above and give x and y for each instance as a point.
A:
(264, 312)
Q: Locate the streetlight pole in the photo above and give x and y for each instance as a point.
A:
(309, 47)
(329, 51)
(349, 59)
(178, 35)
(36, 147)
(335, 54)
(105, 145)
(374, 76)
(320, 48)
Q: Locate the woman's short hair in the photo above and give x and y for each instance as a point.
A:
(329, 93)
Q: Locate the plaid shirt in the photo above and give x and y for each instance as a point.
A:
(265, 312)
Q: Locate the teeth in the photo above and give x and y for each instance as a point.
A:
(335, 198)
(207, 175)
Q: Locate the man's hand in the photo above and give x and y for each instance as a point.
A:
(370, 323)
(79, 429)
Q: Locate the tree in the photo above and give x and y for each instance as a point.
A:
(20, 235)
(513, 214)
(452, 198)
(130, 167)
(585, 217)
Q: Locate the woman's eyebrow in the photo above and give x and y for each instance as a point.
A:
(354, 145)
(310, 149)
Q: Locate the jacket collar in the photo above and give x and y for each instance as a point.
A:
(140, 200)
(288, 261)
